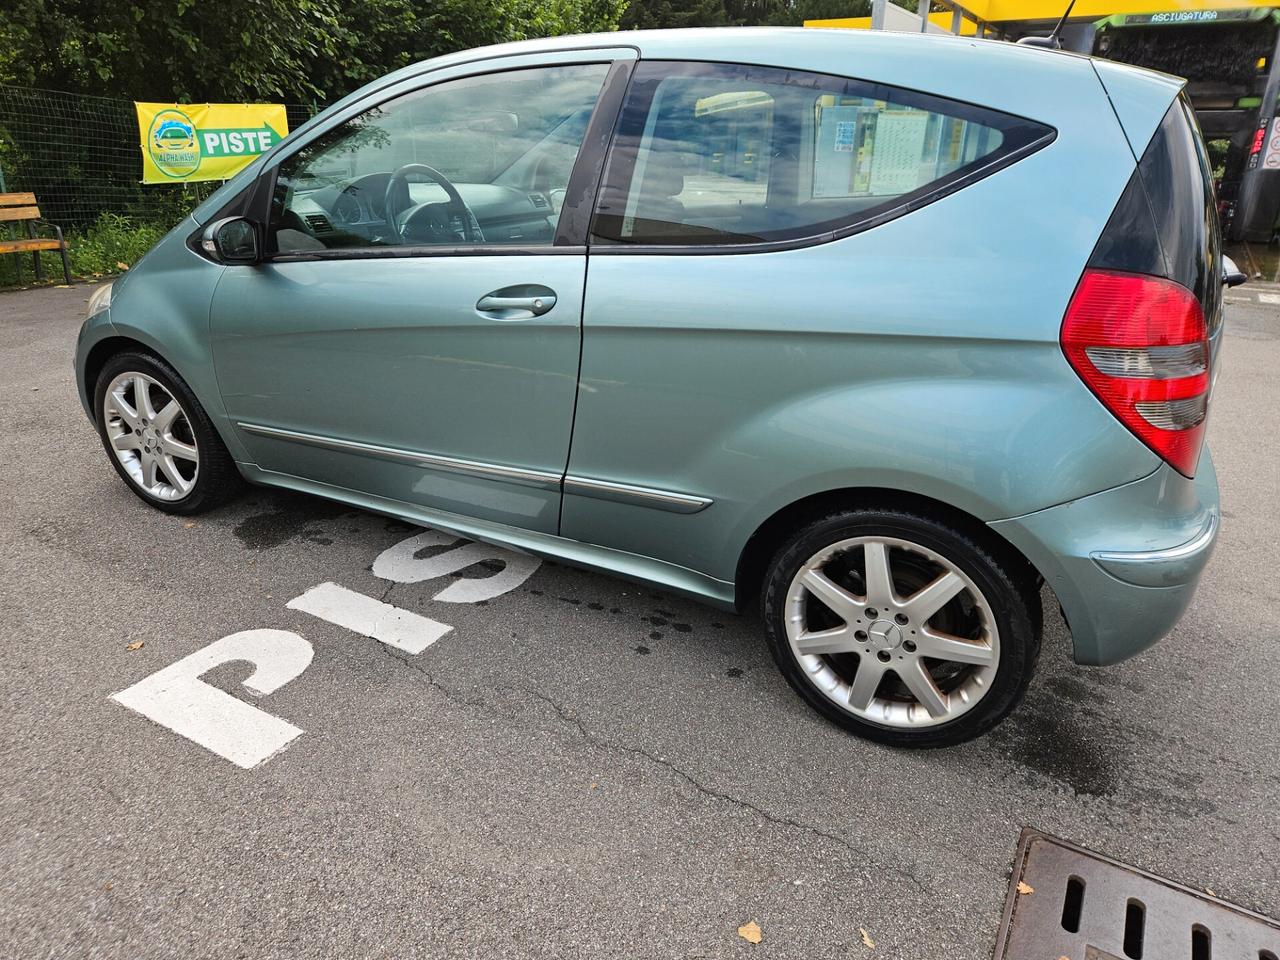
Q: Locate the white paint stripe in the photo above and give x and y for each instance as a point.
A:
(385, 623)
(178, 699)
(1269, 297)
(401, 564)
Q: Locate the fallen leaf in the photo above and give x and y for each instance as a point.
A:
(1209, 891)
(1025, 888)
(595, 786)
(189, 524)
(61, 286)
(866, 939)
(750, 932)
(136, 645)
(120, 264)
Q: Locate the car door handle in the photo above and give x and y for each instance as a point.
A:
(516, 303)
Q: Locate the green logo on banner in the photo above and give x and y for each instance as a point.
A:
(172, 144)
(238, 143)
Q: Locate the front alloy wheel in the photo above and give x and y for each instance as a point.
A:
(899, 628)
(159, 438)
(151, 436)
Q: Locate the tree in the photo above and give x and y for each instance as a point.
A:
(244, 50)
(655, 14)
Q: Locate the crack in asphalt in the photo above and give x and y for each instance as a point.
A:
(571, 719)
(450, 693)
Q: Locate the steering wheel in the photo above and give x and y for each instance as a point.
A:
(398, 186)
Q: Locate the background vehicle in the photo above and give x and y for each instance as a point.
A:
(884, 357)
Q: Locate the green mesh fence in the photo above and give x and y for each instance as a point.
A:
(80, 156)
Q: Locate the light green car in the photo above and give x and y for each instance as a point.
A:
(881, 333)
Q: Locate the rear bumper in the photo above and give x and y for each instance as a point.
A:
(1124, 563)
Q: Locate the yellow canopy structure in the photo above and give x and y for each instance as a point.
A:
(1000, 11)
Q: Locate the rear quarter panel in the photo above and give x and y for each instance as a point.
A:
(921, 355)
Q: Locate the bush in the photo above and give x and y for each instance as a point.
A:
(114, 243)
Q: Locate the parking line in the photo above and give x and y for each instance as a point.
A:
(385, 623)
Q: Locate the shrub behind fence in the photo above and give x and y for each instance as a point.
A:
(81, 157)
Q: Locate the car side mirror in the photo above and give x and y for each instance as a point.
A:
(1232, 276)
(232, 240)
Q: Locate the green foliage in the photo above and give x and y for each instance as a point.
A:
(96, 251)
(254, 50)
(111, 241)
(656, 14)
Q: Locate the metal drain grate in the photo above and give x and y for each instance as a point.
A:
(1083, 906)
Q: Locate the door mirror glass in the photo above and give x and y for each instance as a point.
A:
(233, 240)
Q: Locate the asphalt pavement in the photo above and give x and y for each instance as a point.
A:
(580, 767)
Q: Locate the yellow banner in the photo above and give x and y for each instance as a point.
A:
(205, 141)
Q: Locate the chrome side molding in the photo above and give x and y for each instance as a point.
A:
(543, 479)
(638, 496)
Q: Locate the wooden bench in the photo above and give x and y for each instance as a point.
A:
(18, 208)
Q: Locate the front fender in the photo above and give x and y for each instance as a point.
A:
(164, 306)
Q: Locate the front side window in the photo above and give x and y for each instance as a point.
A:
(477, 160)
(711, 153)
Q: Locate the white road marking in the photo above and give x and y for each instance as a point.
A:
(178, 699)
(385, 623)
(399, 565)
(1269, 298)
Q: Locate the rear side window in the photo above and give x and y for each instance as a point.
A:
(713, 153)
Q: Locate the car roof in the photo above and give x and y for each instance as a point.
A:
(1019, 79)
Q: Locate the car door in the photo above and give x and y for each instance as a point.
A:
(414, 331)
(755, 289)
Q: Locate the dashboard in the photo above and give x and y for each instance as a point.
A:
(353, 214)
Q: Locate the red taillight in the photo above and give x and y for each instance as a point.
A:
(1141, 345)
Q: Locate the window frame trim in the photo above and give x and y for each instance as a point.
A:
(858, 223)
(621, 61)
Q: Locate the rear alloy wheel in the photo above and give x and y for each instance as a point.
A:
(899, 628)
(160, 440)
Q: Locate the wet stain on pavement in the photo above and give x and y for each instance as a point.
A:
(289, 519)
(1059, 741)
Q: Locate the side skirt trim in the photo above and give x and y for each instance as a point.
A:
(630, 566)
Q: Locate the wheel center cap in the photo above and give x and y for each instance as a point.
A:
(884, 635)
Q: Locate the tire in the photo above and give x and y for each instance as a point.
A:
(881, 667)
(178, 484)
